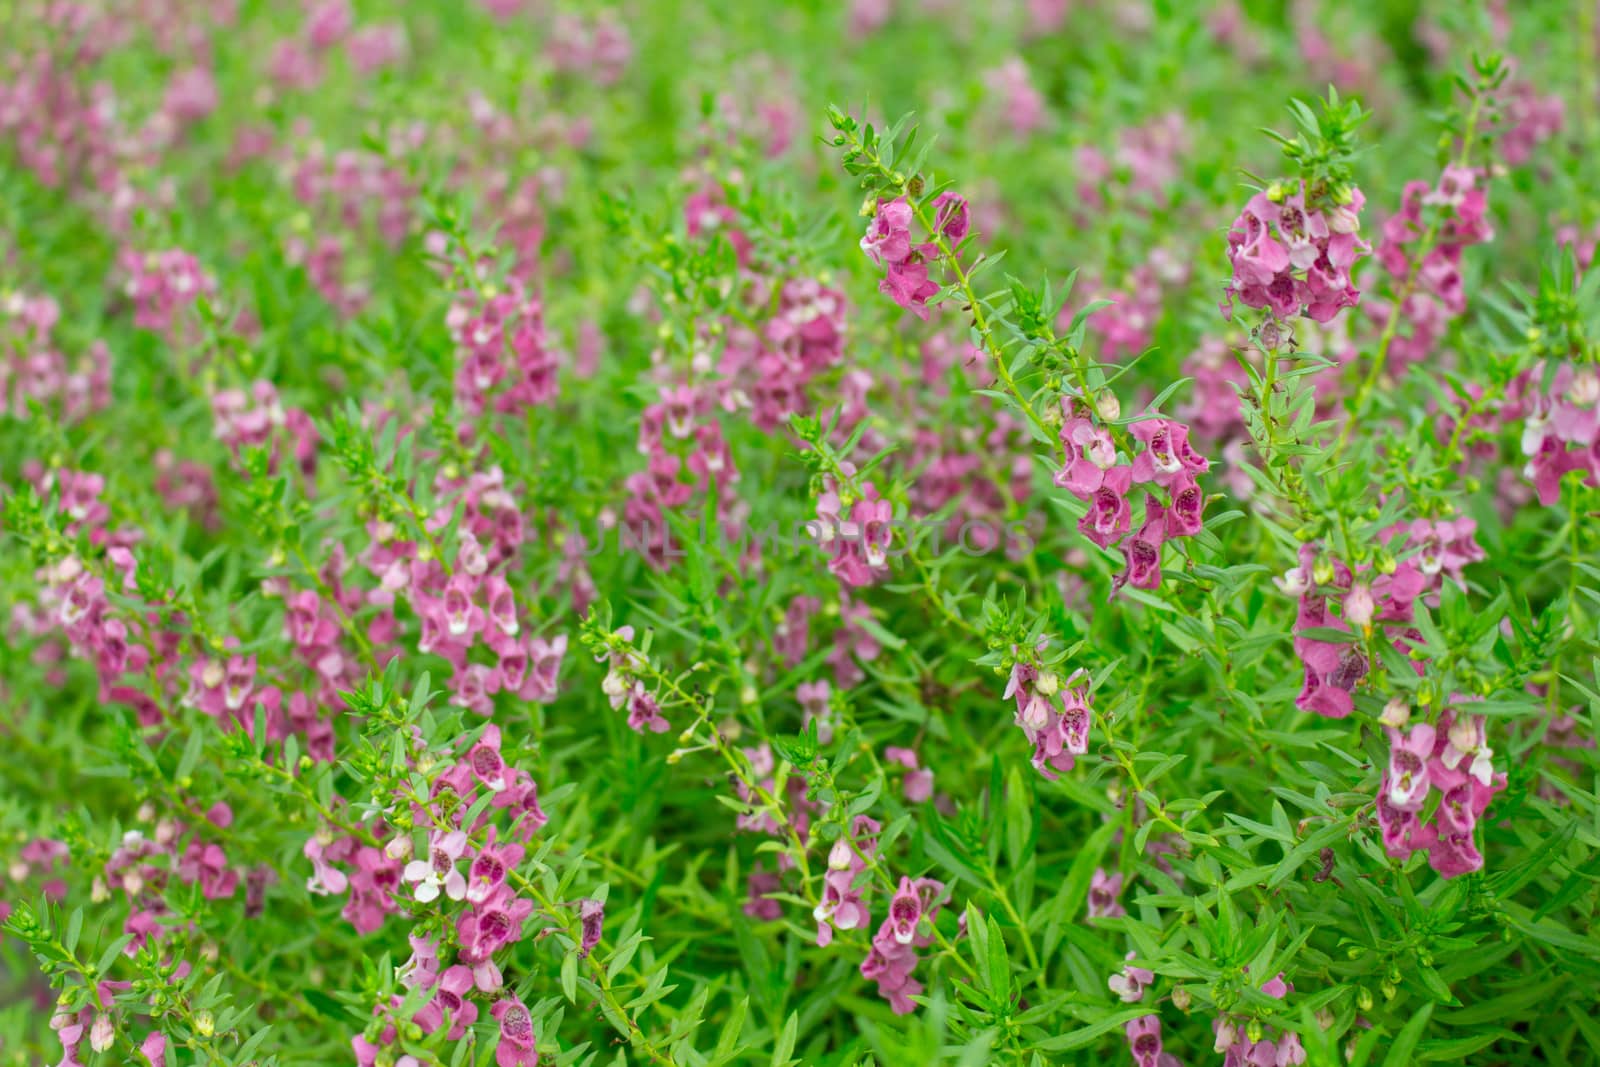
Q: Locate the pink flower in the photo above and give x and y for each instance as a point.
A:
(1167, 455)
(951, 216)
(907, 282)
(1186, 516)
(518, 1042)
(450, 1001)
(1142, 552)
(918, 785)
(1408, 766)
(1109, 515)
(1090, 454)
(1130, 984)
(484, 759)
(644, 711)
(490, 867)
(591, 920)
(438, 871)
(888, 236)
(1104, 890)
(1144, 1042)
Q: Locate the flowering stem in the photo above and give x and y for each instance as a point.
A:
(1391, 326)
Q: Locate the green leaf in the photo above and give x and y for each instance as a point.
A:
(781, 1051)
(569, 977)
(1086, 1035)
(1405, 1044)
(728, 1039)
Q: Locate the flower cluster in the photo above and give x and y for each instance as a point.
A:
(345, 196)
(1421, 249)
(1096, 473)
(624, 686)
(843, 905)
(894, 946)
(1294, 257)
(1453, 757)
(1244, 1046)
(888, 242)
(1385, 596)
(857, 534)
(1054, 715)
(163, 285)
(504, 355)
(35, 370)
(687, 459)
(1561, 432)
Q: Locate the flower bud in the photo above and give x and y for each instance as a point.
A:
(1359, 606)
(839, 856)
(205, 1025)
(1109, 407)
(1293, 582)
(1322, 571)
(1344, 220)
(1463, 734)
(1181, 998)
(1585, 388)
(102, 1033)
(1396, 713)
(1364, 998)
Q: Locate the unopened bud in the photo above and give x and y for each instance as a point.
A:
(1109, 407)
(1585, 388)
(1292, 582)
(102, 1033)
(1396, 713)
(1344, 220)
(205, 1025)
(1181, 998)
(1359, 606)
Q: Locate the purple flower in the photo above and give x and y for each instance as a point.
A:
(518, 1043)
(1104, 890)
(888, 236)
(591, 917)
(951, 216)
(438, 871)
